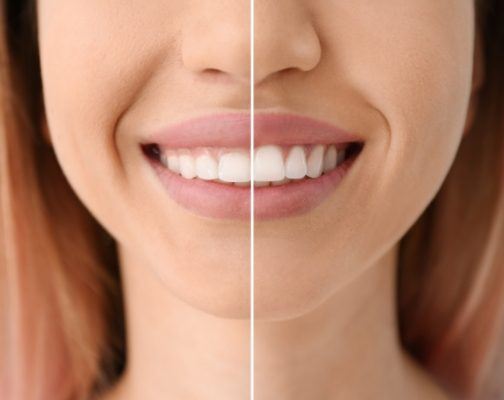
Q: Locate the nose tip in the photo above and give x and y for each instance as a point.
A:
(221, 49)
(293, 48)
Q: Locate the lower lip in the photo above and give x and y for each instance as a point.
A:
(222, 201)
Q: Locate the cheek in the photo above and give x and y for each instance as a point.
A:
(412, 61)
(99, 60)
(417, 73)
(95, 56)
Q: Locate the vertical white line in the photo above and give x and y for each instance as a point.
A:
(252, 94)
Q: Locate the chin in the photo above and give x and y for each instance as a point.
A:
(237, 308)
(264, 309)
(287, 308)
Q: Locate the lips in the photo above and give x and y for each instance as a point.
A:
(204, 163)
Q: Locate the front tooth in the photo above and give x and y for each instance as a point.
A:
(206, 167)
(187, 165)
(315, 161)
(269, 164)
(295, 165)
(330, 158)
(173, 162)
(234, 167)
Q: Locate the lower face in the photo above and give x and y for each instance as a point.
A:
(151, 125)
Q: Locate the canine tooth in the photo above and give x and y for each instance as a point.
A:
(206, 167)
(315, 161)
(295, 165)
(187, 165)
(269, 164)
(234, 167)
(341, 156)
(330, 158)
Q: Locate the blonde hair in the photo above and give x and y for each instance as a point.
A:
(451, 269)
(60, 302)
(62, 333)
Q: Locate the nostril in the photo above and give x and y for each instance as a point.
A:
(215, 75)
(212, 71)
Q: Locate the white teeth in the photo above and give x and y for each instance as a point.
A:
(269, 164)
(330, 158)
(234, 167)
(315, 162)
(187, 165)
(273, 164)
(206, 167)
(295, 165)
(173, 163)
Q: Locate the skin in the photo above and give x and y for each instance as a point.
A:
(399, 73)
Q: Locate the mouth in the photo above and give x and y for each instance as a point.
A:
(204, 164)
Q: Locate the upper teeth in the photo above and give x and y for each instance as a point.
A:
(272, 163)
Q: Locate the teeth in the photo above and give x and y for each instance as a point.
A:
(173, 162)
(187, 165)
(295, 165)
(234, 167)
(330, 158)
(273, 164)
(269, 164)
(206, 167)
(315, 162)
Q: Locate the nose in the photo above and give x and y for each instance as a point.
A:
(218, 42)
(284, 39)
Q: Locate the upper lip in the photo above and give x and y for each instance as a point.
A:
(233, 129)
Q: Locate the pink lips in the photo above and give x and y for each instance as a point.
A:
(233, 130)
(217, 200)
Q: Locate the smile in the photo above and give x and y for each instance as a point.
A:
(204, 164)
(273, 165)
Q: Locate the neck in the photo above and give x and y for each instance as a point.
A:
(177, 351)
(330, 352)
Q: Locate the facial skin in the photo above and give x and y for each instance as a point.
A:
(398, 73)
(112, 74)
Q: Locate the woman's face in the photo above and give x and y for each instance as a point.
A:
(397, 73)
